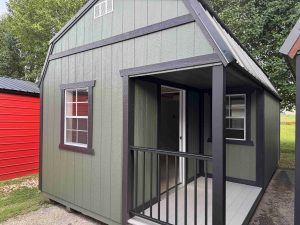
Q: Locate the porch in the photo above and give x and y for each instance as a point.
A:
(239, 200)
(179, 126)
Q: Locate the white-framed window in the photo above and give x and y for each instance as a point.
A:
(236, 117)
(76, 117)
(103, 7)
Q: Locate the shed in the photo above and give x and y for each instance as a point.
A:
(291, 52)
(19, 128)
(153, 112)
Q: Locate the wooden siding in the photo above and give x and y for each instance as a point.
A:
(145, 134)
(193, 128)
(19, 135)
(128, 15)
(272, 132)
(240, 159)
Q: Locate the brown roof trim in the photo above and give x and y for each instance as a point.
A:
(295, 49)
(290, 42)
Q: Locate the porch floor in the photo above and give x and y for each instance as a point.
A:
(239, 200)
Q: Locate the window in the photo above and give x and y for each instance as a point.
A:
(103, 7)
(77, 117)
(236, 117)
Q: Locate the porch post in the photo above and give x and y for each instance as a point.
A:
(297, 150)
(218, 145)
(128, 160)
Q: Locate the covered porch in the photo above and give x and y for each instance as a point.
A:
(188, 180)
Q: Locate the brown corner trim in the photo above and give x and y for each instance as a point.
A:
(127, 36)
(41, 138)
(45, 67)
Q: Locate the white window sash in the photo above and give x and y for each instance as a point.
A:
(73, 117)
(243, 106)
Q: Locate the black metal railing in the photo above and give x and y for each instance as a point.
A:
(151, 193)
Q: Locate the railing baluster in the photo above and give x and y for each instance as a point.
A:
(185, 191)
(158, 186)
(136, 178)
(195, 191)
(151, 177)
(167, 186)
(176, 190)
(206, 197)
(144, 180)
(140, 206)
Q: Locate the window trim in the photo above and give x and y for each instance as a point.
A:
(248, 92)
(82, 149)
(245, 117)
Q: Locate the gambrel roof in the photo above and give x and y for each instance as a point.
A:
(228, 48)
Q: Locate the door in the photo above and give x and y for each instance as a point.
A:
(172, 131)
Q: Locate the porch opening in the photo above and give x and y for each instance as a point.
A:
(172, 148)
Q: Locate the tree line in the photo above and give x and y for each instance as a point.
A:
(260, 25)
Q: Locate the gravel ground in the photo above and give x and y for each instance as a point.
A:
(51, 215)
(276, 208)
(277, 205)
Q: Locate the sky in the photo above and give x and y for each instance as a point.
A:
(2, 6)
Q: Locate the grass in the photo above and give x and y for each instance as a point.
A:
(20, 200)
(287, 140)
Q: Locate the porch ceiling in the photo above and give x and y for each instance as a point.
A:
(201, 78)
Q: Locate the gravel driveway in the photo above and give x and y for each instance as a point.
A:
(277, 205)
(51, 215)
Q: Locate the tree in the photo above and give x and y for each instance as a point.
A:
(10, 55)
(33, 23)
(262, 27)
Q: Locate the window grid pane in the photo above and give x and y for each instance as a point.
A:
(235, 117)
(76, 117)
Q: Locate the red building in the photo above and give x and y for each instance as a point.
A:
(19, 128)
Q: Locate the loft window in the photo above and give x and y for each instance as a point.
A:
(103, 7)
(236, 117)
(77, 117)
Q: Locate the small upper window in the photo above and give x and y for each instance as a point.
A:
(77, 117)
(103, 7)
(236, 117)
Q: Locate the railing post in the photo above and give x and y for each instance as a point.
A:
(128, 157)
(218, 145)
(297, 150)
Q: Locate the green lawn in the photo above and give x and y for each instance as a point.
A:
(19, 196)
(287, 138)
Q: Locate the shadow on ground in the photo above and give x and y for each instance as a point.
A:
(277, 204)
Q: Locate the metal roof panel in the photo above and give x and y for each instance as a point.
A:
(12, 84)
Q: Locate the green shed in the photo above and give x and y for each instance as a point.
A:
(152, 112)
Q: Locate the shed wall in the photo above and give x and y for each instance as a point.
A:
(19, 135)
(145, 135)
(272, 135)
(128, 15)
(193, 129)
(240, 159)
(94, 183)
